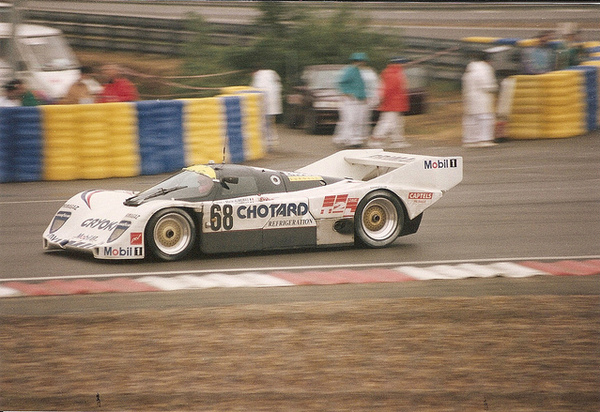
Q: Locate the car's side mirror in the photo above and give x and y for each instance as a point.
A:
(229, 180)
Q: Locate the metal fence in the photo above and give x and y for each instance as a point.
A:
(168, 36)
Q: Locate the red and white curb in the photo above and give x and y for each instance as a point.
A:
(295, 278)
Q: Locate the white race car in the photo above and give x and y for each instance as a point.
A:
(368, 197)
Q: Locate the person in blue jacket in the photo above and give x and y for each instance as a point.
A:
(350, 128)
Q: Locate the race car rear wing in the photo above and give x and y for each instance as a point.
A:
(424, 172)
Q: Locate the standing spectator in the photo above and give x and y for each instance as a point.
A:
(4, 100)
(372, 90)
(18, 95)
(84, 90)
(117, 88)
(541, 57)
(478, 88)
(269, 82)
(394, 101)
(575, 50)
(349, 130)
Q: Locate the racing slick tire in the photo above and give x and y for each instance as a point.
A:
(379, 219)
(171, 234)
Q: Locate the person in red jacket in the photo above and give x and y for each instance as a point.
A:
(117, 88)
(393, 102)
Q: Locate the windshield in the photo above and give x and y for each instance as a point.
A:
(322, 79)
(187, 185)
(416, 77)
(51, 53)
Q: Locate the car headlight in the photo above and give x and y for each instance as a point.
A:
(59, 220)
(119, 230)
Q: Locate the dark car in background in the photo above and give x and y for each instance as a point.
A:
(313, 105)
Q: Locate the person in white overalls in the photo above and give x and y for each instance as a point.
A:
(269, 82)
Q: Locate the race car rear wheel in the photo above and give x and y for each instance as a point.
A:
(379, 219)
(171, 234)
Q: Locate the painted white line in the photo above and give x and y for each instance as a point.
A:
(6, 292)
(229, 281)
(418, 273)
(479, 271)
(452, 272)
(26, 202)
(297, 268)
(161, 283)
(197, 282)
(515, 271)
(264, 280)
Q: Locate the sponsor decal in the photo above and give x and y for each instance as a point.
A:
(100, 224)
(87, 197)
(89, 238)
(80, 245)
(290, 222)
(53, 238)
(132, 216)
(135, 238)
(339, 204)
(222, 216)
(122, 251)
(265, 199)
(59, 220)
(70, 206)
(440, 164)
(420, 195)
(301, 178)
(272, 210)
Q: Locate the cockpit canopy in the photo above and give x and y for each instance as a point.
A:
(224, 181)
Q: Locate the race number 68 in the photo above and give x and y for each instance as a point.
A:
(221, 217)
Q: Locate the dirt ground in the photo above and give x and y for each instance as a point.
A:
(445, 354)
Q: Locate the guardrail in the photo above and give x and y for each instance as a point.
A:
(169, 35)
(136, 34)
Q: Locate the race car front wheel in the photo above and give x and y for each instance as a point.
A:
(379, 219)
(171, 234)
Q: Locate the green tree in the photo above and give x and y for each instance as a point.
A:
(203, 58)
(289, 37)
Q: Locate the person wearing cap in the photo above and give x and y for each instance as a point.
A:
(349, 131)
(478, 89)
(394, 101)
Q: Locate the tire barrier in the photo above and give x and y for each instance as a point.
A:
(592, 87)
(552, 105)
(256, 125)
(557, 104)
(160, 126)
(89, 141)
(96, 141)
(20, 144)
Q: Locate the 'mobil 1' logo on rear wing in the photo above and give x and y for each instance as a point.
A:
(440, 164)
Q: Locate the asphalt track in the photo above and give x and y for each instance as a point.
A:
(520, 201)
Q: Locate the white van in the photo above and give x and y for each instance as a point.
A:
(44, 59)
